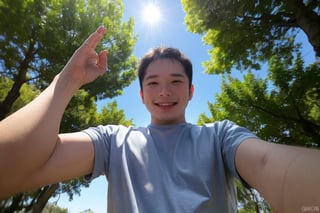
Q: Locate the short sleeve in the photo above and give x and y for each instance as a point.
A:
(101, 138)
(231, 136)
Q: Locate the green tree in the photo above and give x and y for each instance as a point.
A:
(244, 33)
(28, 93)
(250, 200)
(39, 36)
(284, 108)
(111, 115)
(51, 208)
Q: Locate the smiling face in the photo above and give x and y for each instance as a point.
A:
(166, 91)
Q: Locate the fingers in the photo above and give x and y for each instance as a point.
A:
(95, 37)
(102, 63)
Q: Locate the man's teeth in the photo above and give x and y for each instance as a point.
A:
(167, 104)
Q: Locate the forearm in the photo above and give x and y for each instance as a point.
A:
(287, 176)
(301, 184)
(28, 137)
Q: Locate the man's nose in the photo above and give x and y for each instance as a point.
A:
(165, 90)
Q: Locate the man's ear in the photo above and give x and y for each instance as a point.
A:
(141, 95)
(191, 91)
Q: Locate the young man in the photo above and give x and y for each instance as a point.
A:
(168, 166)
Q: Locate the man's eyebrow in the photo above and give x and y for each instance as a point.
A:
(178, 75)
(151, 77)
(172, 74)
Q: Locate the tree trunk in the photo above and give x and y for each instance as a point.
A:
(255, 201)
(43, 198)
(309, 22)
(19, 80)
(11, 97)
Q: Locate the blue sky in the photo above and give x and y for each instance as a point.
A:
(170, 31)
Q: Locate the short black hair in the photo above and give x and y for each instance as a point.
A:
(164, 53)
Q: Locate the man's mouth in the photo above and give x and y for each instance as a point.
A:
(166, 105)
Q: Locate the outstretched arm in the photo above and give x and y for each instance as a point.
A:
(288, 177)
(31, 151)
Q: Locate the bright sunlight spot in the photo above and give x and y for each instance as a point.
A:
(151, 14)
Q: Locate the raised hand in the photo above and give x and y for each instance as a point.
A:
(86, 64)
(33, 130)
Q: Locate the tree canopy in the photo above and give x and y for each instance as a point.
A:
(38, 37)
(284, 108)
(246, 33)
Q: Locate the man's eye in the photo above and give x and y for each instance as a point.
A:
(176, 81)
(152, 83)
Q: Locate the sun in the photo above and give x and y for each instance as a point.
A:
(151, 14)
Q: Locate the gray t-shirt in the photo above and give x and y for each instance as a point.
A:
(175, 168)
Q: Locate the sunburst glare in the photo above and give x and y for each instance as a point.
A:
(151, 14)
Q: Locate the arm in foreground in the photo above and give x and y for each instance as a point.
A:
(32, 153)
(286, 176)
